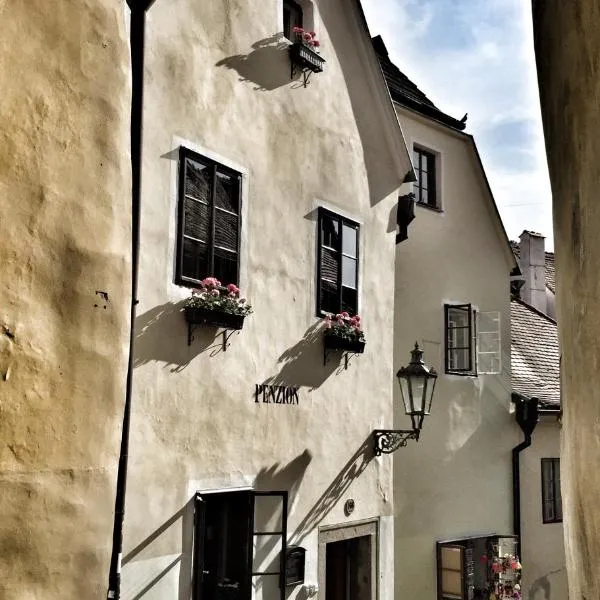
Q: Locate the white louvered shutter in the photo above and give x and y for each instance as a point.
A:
(489, 343)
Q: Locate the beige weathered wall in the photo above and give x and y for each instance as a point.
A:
(219, 82)
(65, 189)
(542, 544)
(457, 480)
(567, 45)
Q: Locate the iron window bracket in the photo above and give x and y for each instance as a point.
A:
(304, 60)
(386, 441)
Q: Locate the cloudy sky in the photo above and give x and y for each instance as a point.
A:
(476, 56)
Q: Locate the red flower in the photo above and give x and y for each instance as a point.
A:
(316, 43)
(307, 37)
(298, 30)
(312, 34)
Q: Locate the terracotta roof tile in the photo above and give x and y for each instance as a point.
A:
(535, 355)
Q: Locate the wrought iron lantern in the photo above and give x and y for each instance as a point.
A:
(417, 384)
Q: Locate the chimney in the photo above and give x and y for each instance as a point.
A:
(533, 266)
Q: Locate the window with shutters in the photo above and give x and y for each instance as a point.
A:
(425, 188)
(472, 341)
(209, 220)
(240, 545)
(551, 498)
(337, 264)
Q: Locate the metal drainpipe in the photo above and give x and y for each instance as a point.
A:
(527, 418)
(136, 36)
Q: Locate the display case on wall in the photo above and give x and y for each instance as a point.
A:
(479, 568)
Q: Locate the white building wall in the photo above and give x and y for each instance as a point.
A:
(218, 81)
(543, 551)
(457, 480)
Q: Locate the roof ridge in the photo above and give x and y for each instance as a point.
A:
(534, 310)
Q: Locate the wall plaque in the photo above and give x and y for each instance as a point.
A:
(276, 394)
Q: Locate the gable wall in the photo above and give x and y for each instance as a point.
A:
(456, 481)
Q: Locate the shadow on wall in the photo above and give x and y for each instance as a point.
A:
(267, 66)
(161, 335)
(352, 470)
(277, 479)
(152, 566)
(541, 589)
(302, 364)
(382, 176)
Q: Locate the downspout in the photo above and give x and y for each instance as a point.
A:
(527, 416)
(136, 38)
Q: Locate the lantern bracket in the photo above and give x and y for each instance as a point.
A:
(386, 441)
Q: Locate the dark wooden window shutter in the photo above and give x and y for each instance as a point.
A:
(452, 576)
(209, 220)
(337, 264)
(199, 533)
(292, 17)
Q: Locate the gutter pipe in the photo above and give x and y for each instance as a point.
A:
(136, 37)
(527, 416)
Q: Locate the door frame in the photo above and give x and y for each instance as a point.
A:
(340, 532)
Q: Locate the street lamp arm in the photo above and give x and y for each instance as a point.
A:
(386, 441)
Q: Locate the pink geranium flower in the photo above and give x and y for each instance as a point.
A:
(316, 43)
(215, 293)
(298, 30)
(211, 282)
(233, 290)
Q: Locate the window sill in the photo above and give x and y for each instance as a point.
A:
(461, 374)
(553, 522)
(428, 207)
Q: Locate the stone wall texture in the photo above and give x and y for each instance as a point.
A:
(64, 237)
(567, 44)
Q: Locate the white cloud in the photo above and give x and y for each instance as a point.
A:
(476, 56)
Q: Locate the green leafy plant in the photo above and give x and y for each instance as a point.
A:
(213, 295)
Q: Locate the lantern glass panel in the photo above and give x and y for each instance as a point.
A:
(417, 384)
(404, 388)
(429, 394)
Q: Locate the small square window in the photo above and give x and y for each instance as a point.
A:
(424, 187)
(208, 243)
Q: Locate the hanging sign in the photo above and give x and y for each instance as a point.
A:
(276, 394)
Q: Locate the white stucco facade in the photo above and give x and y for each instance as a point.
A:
(456, 482)
(543, 545)
(218, 83)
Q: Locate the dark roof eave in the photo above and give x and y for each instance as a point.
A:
(429, 111)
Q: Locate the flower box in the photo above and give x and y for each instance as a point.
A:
(215, 305)
(304, 57)
(213, 318)
(336, 342)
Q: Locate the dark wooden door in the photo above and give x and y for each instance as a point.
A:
(348, 569)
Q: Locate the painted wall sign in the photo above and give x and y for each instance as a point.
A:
(276, 394)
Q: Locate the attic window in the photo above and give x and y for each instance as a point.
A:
(292, 17)
(297, 13)
(425, 188)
